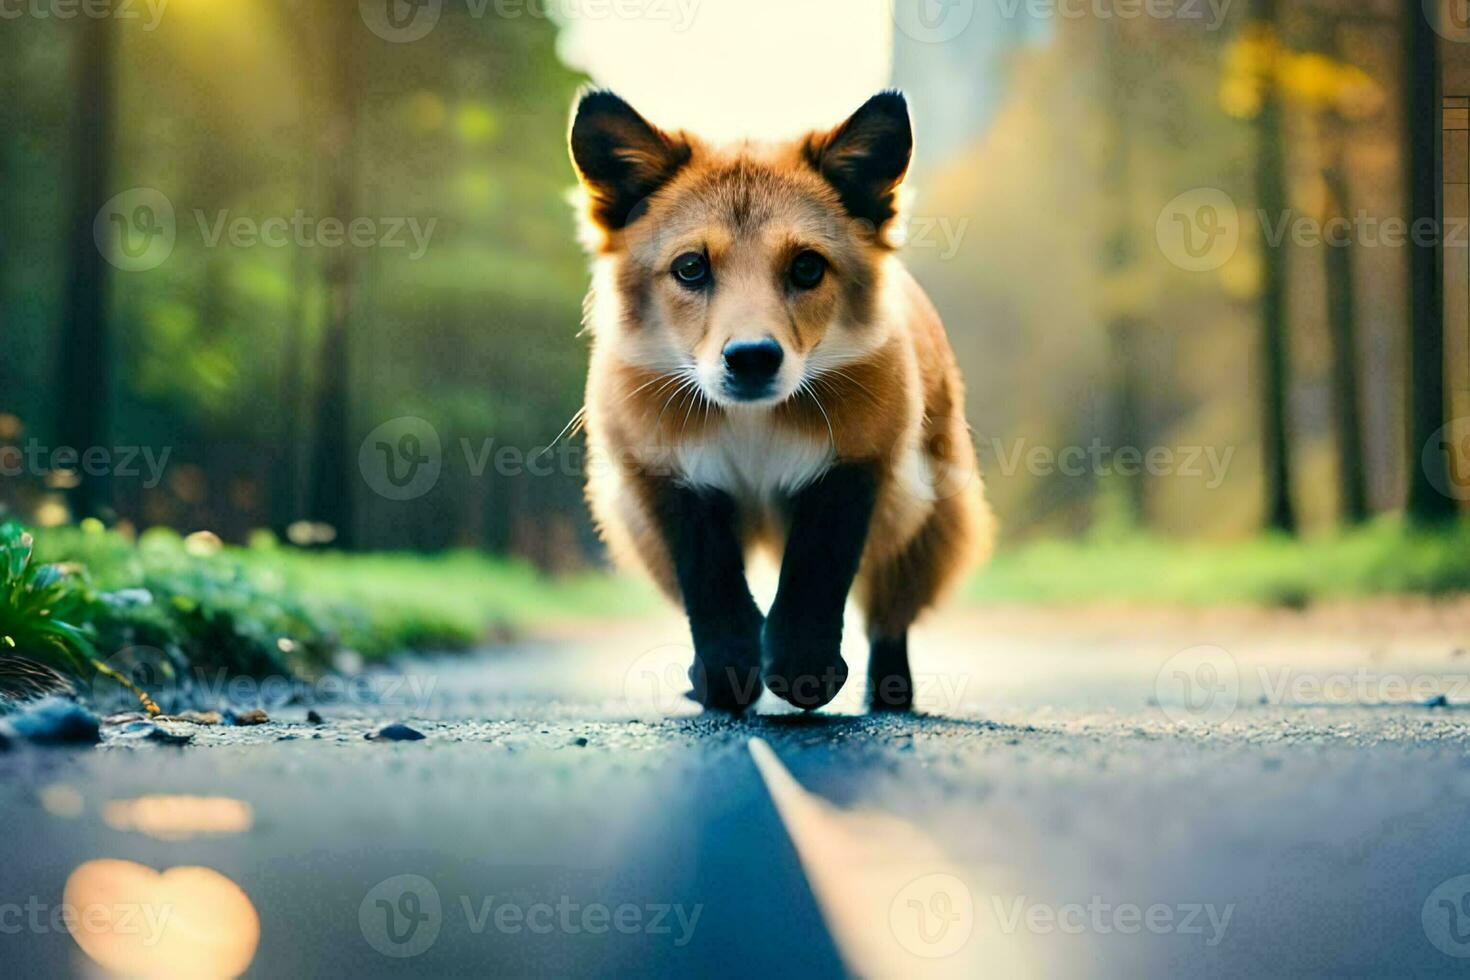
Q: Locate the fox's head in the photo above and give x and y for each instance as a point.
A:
(749, 270)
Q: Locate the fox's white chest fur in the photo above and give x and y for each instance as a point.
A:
(751, 459)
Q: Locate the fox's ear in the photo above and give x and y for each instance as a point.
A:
(866, 157)
(620, 157)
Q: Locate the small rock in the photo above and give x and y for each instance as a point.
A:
(314, 717)
(398, 733)
(165, 736)
(124, 718)
(199, 717)
(135, 729)
(1438, 701)
(147, 731)
(55, 721)
(580, 741)
(252, 716)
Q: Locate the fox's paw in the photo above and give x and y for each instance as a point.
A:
(802, 665)
(890, 683)
(726, 673)
(890, 692)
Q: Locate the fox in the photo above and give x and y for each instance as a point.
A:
(765, 375)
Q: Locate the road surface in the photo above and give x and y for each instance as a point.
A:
(1083, 793)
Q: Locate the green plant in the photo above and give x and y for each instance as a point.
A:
(44, 610)
(41, 610)
(175, 608)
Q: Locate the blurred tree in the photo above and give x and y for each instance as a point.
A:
(85, 375)
(1339, 95)
(287, 490)
(1352, 479)
(332, 485)
(1120, 265)
(1330, 94)
(292, 498)
(1423, 175)
(1263, 32)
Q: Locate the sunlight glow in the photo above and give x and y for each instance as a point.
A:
(184, 922)
(727, 69)
(179, 817)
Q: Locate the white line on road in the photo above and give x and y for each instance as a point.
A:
(895, 904)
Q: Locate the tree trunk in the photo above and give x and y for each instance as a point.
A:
(85, 375)
(335, 461)
(1352, 477)
(1119, 263)
(1275, 342)
(286, 478)
(1423, 169)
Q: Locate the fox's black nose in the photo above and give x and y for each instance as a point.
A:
(751, 366)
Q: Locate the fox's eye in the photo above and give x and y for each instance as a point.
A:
(692, 270)
(807, 270)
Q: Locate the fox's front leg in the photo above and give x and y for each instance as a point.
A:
(700, 528)
(802, 639)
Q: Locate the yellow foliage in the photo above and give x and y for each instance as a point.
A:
(1309, 77)
(1316, 81)
(1248, 63)
(1241, 97)
(1240, 278)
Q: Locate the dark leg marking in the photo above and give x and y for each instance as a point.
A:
(702, 533)
(802, 639)
(890, 684)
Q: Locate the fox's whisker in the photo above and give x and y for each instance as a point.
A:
(684, 385)
(836, 372)
(573, 424)
(831, 435)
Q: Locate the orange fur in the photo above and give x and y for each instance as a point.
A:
(869, 374)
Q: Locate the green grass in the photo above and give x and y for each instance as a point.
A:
(75, 599)
(449, 601)
(1383, 558)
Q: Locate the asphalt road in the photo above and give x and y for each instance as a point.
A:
(1084, 793)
